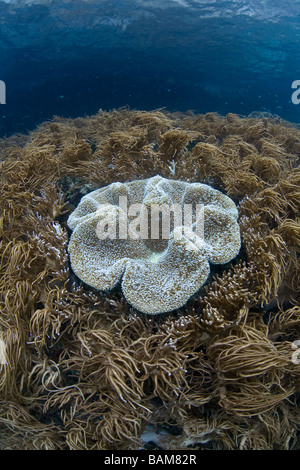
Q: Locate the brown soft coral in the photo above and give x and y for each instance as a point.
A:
(84, 371)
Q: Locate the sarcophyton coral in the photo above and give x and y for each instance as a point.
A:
(161, 256)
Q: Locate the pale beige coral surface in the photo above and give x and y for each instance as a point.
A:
(157, 273)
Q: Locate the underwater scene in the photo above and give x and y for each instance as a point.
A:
(150, 226)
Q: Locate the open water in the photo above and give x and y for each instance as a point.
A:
(71, 58)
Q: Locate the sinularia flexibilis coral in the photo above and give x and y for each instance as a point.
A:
(159, 272)
(81, 368)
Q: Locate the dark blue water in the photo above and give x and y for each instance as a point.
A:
(71, 59)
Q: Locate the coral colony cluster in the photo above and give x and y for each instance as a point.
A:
(150, 279)
(159, 271)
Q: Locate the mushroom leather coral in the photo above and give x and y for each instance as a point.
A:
(158, 274)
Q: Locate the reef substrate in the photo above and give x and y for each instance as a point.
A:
(83, 369)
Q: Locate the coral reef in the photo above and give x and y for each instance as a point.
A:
(84, 369)
(161, 262)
